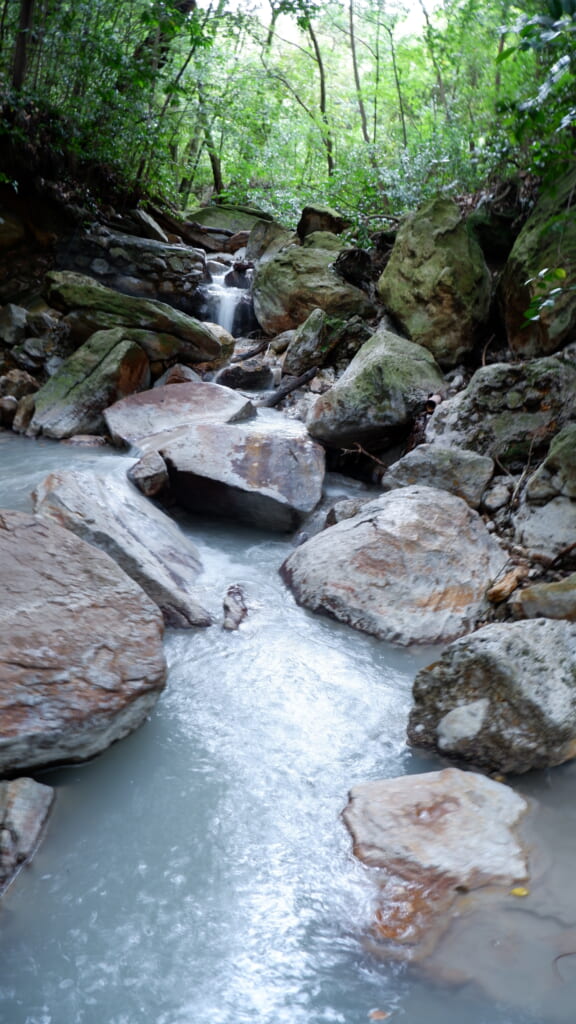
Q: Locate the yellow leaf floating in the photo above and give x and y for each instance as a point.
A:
(519, 891)
(378, 1015)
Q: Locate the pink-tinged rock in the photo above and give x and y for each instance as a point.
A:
(411, 567)
(433, 838)
(135, 419)
(267, 473)
(110, 514)
(24, 809)
(81, 660)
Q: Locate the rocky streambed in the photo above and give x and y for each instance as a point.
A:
(463, 538)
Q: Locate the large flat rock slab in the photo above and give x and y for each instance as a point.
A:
(24, 809)
(268, 474)
(411, 567)
(110, 514)
(433, 837)
(81, 660)
(137, 419)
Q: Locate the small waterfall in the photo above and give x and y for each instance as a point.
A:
(228, 301)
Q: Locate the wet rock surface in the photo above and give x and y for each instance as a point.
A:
(24, 809)
(502, 699)
(411, 567)
(81, 661)
(110, 514)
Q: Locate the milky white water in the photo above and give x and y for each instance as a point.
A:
(198, 871)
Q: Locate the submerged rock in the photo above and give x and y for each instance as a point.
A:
(436, 283)
(503, 699)
(385, 386)
(24, 809)
(433, 838)
(411, 567)
(108, 513)
(81, 660)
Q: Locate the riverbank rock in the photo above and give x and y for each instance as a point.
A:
(556, 476)
(433, 837)
(81, 660)
(461, 472)
(411, 567)
(503, 699)
(298, 279)
(110, 514)
(137, 420)
(91, 307)
(382, 390)
(24, 809)
(547, 600)
(101, 372)
(547, 240)
(546, 530)
(436, 283)
(267, 473)
(508, 410)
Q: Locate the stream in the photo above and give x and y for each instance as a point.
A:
(198, 871)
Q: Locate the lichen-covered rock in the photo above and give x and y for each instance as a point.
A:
(309, 346)
(138, 419)
(411, 567)
(108, 513)
(548, 600)
(503, 699)
(508, 410)
(546, 530)
(547, 240)
(104, 308)
(436, 283)
(461, 472)
(101, 372)
(298, 279)
(320, 218)
(433, 838)
(81, 660)
(556, 476)
(384, 387)
(265, 473)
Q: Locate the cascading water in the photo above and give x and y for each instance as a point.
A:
(227, 303)
(198, 871)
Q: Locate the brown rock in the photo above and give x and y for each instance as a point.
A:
(81, 661)
(24, 808)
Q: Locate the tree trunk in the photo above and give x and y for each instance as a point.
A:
(326, 131)
(21, 51)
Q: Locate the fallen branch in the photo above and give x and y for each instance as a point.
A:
(290, 385)
(251, 352)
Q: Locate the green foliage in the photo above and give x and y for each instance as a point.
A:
(546, 292)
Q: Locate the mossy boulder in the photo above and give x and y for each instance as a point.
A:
(385, 386)
(103, 308)
(299, 279)
(436, 283)
(108, 367)
(547, 241)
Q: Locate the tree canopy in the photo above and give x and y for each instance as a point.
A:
(352, 102)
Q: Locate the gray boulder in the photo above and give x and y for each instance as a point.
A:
(110, 514)
(101, 372)
(436, 283)
(24, 809)
(140, 419)
(503, 699)
(556, 476)
(298, 279)
(81, 660)
(461, 472)
(509, 410)
(546, 530)
(384, 387)
(265, 473)
(411, 567)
